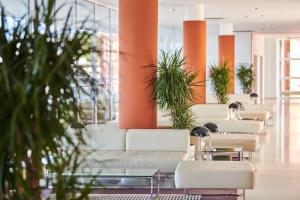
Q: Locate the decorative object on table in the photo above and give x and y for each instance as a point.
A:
(246, 77)
(241, 106)
(212, 127)
(173, 88)
(39, 76)
(234, 107)
(200, 132)
(220, 77)
(254, 98)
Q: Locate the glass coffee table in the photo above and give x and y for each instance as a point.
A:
(97, 173)
(220, 152)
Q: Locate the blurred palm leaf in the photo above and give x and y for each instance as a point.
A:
(38, 82)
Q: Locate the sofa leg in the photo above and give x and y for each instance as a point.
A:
(244, 194)
(186, 195)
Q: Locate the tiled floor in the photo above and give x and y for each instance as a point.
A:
(278, 161)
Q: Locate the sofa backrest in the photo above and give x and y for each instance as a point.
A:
(211, 110)
(243, 98)
(101, 137)
(157, 140)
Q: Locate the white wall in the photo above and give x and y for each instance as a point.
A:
(243, 47)
(212, 51)
(243, 54)
(270, 77)
(258, 50)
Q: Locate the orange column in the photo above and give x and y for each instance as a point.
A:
(194, 47)
(138, 29)
(226, 52)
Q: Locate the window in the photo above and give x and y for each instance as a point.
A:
(102, 22)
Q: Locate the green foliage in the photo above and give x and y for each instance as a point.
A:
(38, 79)
(173, 88)
(246, 77)
(220, 76)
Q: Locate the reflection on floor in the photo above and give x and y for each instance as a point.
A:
(278, 161)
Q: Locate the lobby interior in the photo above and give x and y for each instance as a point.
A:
(155, 102)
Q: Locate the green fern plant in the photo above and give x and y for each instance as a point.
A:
(173, 88)
(220, 76)
(246, 78)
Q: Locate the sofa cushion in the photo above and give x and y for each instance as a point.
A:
(215, 175)
(200, 121)
(211, 111)
(255, 114)
(263, 107)
(166, 162)
(250, 142)
(243, 98)
(241, 126)
(102, 137)
(157, 140)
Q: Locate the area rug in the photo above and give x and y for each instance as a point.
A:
(165, 194)
(147, 197)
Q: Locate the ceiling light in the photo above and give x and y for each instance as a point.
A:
(255, 8)
(246, 16)
(172, 9)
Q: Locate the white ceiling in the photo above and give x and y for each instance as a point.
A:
(273, 16)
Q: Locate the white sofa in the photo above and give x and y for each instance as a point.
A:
(215, 175)
(220, 115)
(262, 107)
(162, 149)
(250, 142)
(261, 115)
(241, 126)
(210, 113)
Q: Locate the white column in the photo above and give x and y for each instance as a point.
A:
(226, 29)
(195, 12)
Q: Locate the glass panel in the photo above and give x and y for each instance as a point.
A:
(290, 68)
(15, 11)
(295, 75)
(85, 14)
(114, 63)
(103, 63)
(295, 49)
(65, 6)
(169, 38)
(113, 172)
(85, 22)
(15, 8)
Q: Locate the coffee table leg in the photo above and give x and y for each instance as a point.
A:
(242, 154)
(158, 182)
(151, 189)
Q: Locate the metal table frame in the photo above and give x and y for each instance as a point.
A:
(155, 175)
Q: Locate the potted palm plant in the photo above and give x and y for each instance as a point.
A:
(220, 76)
(38, 80)
(246, 77)
(173, 88)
